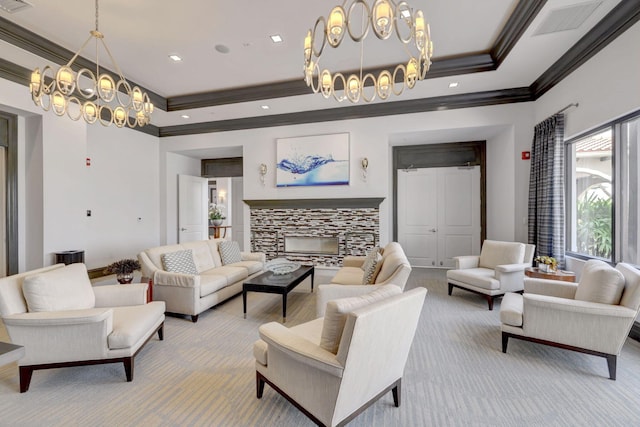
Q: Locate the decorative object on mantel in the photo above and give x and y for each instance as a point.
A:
(123, 270)
(365, 165)
(313, 160)
(280, 266)
(216, 214)
(263, 172)
(101, 95)
(386, 17)
(546, 263)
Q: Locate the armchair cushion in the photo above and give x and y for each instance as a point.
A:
(337, 310)
(229, 252)
(130, 324)
(61, 289)
(480, 277)
(371, 266)
(179, 262)
(600, 283)
(496, 253)
(348, 276)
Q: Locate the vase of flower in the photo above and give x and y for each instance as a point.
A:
(216, 214)
(123, 270)
(217, 222)
(546, 264)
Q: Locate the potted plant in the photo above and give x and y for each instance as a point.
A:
(546, 263)
(216, 215)
(123, 269)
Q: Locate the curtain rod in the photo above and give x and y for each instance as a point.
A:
(573, 104)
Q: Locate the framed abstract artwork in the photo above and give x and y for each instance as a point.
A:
(313, 160)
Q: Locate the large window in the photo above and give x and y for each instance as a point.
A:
(602, 185)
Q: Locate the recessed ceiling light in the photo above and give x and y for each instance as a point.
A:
(264, 107)
(222, 48)
(453, 84)
(175, 58)
(276, 38)
(184, 116)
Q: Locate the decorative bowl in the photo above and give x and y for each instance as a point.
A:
(280, 266)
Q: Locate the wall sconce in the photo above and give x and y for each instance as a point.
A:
(365, 164)
(221, 195)
(263, 172)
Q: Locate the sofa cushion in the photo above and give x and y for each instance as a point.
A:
(600, 283)
(155, 254)
(230, 273)
(495, 253)
(211, 282)
(371, 266)
(179, 262)
(480, 277)
(348, 276)
(201, 255)
(251, 266)
(131, 323)
(229, 252)
(336, 314)
(67, 288)
(215, 252)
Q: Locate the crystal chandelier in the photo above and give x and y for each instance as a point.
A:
(92, 96)
(387, 18)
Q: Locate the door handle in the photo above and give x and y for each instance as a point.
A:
(183, 229)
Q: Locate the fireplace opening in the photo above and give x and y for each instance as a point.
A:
(327, 245)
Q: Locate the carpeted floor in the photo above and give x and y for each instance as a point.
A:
(202, 374)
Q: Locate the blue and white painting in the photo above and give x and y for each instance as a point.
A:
(313, 160)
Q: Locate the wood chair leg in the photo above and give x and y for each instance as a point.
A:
(450, 289)
(25, 378)
(128, 368)
(396, 391)
(161, 333)
(505, 342)
(259, 385)
(490, 302)
(612, 364)
(194, 318)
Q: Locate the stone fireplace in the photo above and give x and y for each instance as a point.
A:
(315, 231)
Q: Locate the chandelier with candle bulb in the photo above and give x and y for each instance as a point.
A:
(96, 97)
(386, 18)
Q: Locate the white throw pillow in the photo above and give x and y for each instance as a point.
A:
(229, 252)
(67, 288)
(335, 315)
(179, 262)
(371, 266)
(495, 253)
(600, 283)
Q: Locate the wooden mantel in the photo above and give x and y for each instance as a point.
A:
(354, 203)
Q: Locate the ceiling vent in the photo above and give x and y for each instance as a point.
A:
(13, 6)
(566, 18)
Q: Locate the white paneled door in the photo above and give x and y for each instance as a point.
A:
(439, 214)
(193, 208)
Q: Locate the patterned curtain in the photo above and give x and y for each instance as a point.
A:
(546, 189)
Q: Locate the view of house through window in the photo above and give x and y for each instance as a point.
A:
(591, 195)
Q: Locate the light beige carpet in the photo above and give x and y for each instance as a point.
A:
(202, 374)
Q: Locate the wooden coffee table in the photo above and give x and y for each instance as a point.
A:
(271, 283)
(566, 276)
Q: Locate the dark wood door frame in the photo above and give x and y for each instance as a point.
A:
(472, 153)
(9, 139)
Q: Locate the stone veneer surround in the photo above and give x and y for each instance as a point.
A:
(357, 227)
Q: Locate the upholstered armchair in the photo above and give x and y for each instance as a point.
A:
(498, 269)
(62, 320)
(592, 317)
(390, 267)
(332, 368)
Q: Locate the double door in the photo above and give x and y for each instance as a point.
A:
(439, 214)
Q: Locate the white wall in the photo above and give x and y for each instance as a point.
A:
(56, 188)
(370, 138)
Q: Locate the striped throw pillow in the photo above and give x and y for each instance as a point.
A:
(179, 262)
(229, 252)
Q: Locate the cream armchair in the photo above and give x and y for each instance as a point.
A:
(61, 320)
(498, 269)
(332, 368)
(592, 317)
(393, 268)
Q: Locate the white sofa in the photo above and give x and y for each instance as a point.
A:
(593, 316)
(332, 368)
(394, 269)
(497, 270)
(62, 320)
(191, 294)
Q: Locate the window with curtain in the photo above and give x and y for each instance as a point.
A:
(603, 185)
